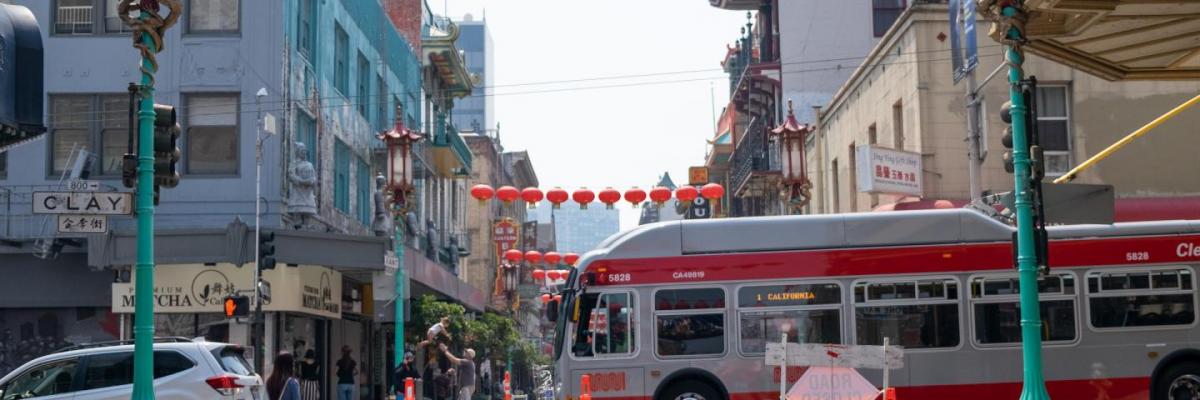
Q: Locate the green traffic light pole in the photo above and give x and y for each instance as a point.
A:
(148, 28)
(1034, 387)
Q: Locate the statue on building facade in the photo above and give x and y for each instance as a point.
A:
(303, 177)
(382, 225)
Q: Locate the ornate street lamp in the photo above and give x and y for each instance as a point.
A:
(399, 142)
(791, 154)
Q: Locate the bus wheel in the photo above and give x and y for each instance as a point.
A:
(1180, 381)
(690, 390)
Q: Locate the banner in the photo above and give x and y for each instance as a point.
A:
(199, 288)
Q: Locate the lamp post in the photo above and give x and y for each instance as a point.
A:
(399, 141)
(791, 155)
(258, 326)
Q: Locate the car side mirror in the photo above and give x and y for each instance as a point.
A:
(552, 311)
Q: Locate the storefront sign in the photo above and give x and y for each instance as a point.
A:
(529, 236)
(504, 232)
(197, 288)
(697, 175)
(882, 170)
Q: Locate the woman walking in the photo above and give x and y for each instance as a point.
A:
(310, 377)
(282, 384)
(347, 370)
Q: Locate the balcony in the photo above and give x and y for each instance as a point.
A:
(451, 155)
(754, 165)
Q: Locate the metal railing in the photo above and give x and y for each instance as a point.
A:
(73, 20)
(752, 153)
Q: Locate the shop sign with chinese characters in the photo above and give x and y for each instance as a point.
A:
(197, 288)
(887, 171)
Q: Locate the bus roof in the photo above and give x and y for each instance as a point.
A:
(803, 232)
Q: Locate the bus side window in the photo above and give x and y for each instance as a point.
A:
(605, 326)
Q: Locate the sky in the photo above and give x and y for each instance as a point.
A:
(580, 133)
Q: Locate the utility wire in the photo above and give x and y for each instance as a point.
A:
(783, 71)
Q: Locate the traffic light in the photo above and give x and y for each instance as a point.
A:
(1007, 138)
(266, 250)
(166, 150)
(237, 306)
(1037, 170)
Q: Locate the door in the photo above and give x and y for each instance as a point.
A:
(53, 380)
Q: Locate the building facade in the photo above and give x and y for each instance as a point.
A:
(477, 112)
(334, 74)
(903, 98)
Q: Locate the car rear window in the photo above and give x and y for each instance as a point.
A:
(231, 360)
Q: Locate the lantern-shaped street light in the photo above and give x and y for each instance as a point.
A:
(791, 155)
(399, 143)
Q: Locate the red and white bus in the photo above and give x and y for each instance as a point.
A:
(683, 310)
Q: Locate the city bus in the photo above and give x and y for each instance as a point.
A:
(683, 310)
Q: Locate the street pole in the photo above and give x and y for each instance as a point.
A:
(257, 325)
(151, 27)
(1034, 387)
(974, 149)
(143, 324)
(398, 358)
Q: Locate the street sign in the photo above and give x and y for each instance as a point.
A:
(82, 223)
(91, 203)
(835, 355)
(391, 263)
(83, 186)
(700, 209)
(697, 175)
(832, 383)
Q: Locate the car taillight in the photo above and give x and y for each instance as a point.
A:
(226, 385)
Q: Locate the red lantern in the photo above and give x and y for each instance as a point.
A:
(635, 196)
(532, 196)
(539, 275)
(583, 196)
(609, 197)
(660, 195)
(558, 298)
(552, 257)
(570, 259)
(482, 192)
(557, 196)
(513, 255)
(712, 191)
(552, 275)
(545, 298)
(507, 194)
(533, 257)
(686, 194)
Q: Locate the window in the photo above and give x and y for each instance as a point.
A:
(364, 87)
(852, 164)
(97, 124)
(382, 115)
(341, 176)
(837, 201)
(55, 377)
(915, 314)
(213, 16)
(305, 30)
(898, 125)
(608, 328)
(364, 193)
(116, 369)
(690, 322)
(995, 303)
(341, 56)
(1054, 127)
(306, 132)
(112, 21)
(232, 360)
(212, 134)
(884, 13)
(808, 313)
(167, 363)
(872, 135)
(4, 165)
(1158, 297)
(73, 17)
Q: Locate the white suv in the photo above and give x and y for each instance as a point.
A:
(183, 369)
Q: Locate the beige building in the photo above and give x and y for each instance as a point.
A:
(903, 97)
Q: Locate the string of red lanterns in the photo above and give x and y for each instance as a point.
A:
(584, 196)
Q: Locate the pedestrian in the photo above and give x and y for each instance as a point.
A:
(347, 369)
(440, 332)
(406, 370)
(466, 371)
(282, 384)
(310, 376)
